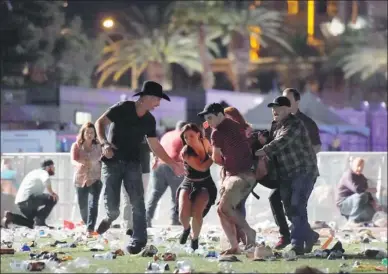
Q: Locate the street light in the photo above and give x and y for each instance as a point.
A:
(108, 23)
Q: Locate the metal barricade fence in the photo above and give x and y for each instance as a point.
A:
(321, 204)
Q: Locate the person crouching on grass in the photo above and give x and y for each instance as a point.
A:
(231, 150)
(198, 192)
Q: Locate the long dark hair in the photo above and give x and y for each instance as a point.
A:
(188, 150)
(80, 136)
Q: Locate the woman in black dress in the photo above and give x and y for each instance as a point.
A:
(198, 192)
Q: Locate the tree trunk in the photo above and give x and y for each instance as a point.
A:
(207, 76)
(158, 72)
(239, 55)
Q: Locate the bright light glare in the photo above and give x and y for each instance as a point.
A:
(336, 27)
(108, 23)
(366, 104)
(383, 105)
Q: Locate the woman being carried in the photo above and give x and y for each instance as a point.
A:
(198, 192)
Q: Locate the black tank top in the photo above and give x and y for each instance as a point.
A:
(196, 174)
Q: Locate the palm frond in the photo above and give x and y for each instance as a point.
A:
(364, 54)
(366, 61)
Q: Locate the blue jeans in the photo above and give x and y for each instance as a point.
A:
(88, 203)
(160, 179)
(358, 207)
(117, 173)
(295, 195)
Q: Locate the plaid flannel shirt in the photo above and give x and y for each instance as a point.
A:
(292, 149)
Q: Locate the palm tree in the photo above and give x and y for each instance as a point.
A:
(152, 42)
(365, 54)
(76, 55)
(235, 25)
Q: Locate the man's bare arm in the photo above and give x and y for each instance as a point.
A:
(101, 124)
(159, 151)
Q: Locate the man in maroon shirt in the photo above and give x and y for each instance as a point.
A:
(231, 150)
(162, 176)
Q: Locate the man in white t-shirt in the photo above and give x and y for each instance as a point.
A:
(33, 202)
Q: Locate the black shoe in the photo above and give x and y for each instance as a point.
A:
(135, 248)
(184, 236)
(129, 232)
(194, 244)
(310, 244)
(103, 227)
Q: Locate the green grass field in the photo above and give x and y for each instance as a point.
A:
(136, 264)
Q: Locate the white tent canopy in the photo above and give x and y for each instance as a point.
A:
(311, 105)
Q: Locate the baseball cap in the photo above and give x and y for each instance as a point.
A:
(213, 108)
(47, 163)
(280, 101)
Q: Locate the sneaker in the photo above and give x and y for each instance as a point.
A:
(310, 244)
(184, 236)
(283, 242)
(103, 227)
(129, 232)
(194, 244)
(135, 248)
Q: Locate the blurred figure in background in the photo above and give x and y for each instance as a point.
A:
(335, 145)
(8, 178)
(85, 156)
(198, 192)
(35, 205)
(162, 176)
(354, 197)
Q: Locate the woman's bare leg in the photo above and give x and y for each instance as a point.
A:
(184, 208)
(197, 209)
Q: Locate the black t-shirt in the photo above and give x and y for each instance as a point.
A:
(128, 130)
(311, 127)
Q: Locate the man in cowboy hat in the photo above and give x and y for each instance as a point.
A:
(129, 123)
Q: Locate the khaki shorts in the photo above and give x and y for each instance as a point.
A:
(235, 188)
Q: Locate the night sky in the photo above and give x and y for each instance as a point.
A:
(93, 12)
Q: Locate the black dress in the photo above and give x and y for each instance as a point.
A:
(202, 180)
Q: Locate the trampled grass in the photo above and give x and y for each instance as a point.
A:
(136, 264)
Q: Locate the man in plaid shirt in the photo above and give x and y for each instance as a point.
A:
(296, 167)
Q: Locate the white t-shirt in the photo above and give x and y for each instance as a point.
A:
(34, 183)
